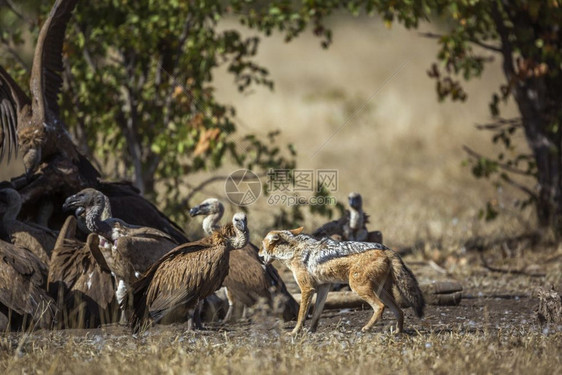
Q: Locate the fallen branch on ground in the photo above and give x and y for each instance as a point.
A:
(442, 293)
(514, 272)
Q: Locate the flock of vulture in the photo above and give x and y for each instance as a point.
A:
(99, 269)
(76, 251)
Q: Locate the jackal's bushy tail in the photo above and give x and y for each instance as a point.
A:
(406, 283)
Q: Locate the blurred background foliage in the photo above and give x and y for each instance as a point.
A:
(139, 92)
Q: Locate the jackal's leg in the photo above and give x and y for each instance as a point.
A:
(321, 296)
(365, 291)
(388, 299)
(306, 296)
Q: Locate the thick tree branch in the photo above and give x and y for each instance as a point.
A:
(506, 47)
(206, 182)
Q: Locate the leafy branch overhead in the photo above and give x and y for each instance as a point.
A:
(139, 89)
(523, 35)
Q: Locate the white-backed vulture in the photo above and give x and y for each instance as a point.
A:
(248, 280)
(186, 275)
(128, 250)
(352, 226)
(333, 229)
(80, 280)
(35, 238)
(54, 167)
(128, 205)
(23, 299)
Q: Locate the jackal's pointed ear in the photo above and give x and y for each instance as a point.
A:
(297, 231)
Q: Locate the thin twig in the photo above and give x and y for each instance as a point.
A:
(504, 166)
(501, 123)
(19, 14)
(16, 56)
(486, 46)
(430, 35)
(208, 181)
(85, 51)
(523, 188)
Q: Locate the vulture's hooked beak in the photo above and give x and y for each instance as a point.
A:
(71, 203)
(31, 160)
(195, 211)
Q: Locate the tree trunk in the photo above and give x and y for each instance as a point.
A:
(538, 112)
(546, 151)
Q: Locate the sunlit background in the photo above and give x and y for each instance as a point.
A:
(367, 108)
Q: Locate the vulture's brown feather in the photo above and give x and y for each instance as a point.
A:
(23, 299)
(128, 205)
(14, 105)
(54, 167)
(35, 238)
(128, 249)
(133, 255)
(185, 275)
(46, 78)
(36, 123)
(248, 279)
(83, 288)
(39, 132)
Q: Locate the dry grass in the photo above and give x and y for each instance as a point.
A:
(518, 351)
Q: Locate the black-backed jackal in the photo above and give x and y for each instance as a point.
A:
(370, 269)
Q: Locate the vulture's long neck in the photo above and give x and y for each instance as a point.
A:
(240, 239)
(356, 220)
(211, 221)
(96, 214)
(106, 213)
(13, 210)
